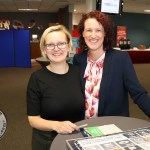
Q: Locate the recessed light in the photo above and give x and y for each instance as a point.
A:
(28, 9)
(147, 10)
(34, 0)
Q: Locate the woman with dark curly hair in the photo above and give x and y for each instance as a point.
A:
(107, 75)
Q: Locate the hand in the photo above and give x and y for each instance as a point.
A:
(65, 127)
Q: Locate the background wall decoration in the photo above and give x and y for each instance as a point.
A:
(17, 24)
(3, 123)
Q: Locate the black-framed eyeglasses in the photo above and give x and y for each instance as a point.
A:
(60, 45)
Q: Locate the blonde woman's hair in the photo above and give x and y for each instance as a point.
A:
(52, 29)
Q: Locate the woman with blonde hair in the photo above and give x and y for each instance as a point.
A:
(54, 98)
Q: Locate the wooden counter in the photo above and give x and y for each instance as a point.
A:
(140, 56)
(35, 50)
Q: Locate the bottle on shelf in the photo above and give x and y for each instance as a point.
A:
(125, 44)
(121, 44)
(128, 44)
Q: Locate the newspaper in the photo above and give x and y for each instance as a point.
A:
(137, 139)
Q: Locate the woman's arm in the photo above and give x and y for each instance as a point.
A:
(63, 127)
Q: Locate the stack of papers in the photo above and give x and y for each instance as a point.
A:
(136, 139)
(100, 130)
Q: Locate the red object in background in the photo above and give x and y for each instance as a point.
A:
(140, 56)
(77, 50)
(121, 33)
(75, 33)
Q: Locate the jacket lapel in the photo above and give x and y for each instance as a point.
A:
(83, 67)
(105, 81)
(105, 78)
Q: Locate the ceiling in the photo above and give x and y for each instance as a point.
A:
(135, 6)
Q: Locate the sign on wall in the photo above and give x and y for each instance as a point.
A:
(121, 33)
(3, 124)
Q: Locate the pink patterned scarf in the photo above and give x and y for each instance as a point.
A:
(93, 75)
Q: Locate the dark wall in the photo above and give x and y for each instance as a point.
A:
(65, 18)
(138, 27)
(41, 19)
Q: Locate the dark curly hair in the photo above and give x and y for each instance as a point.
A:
(107, 24)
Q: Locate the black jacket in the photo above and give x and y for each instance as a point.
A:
(118, 80)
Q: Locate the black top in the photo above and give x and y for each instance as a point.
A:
(55, 96)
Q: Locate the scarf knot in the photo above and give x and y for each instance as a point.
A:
(93, 68)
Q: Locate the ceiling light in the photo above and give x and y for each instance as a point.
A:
(147, 10)
(34, 0)
(28, 9)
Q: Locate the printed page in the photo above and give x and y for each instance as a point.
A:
(100, 130)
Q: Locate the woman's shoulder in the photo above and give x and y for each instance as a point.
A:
(80, 58)
(74, 68)
(118, 55)
(81, 54)
(117, 52)
(39, 72)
